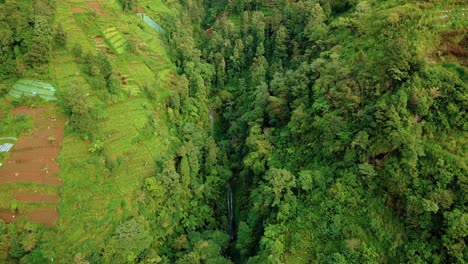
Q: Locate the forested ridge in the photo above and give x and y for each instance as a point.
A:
(307, 131)
(344, 123)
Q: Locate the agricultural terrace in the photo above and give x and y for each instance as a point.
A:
(115, 40)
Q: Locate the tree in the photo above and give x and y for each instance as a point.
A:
(38, 52)
(6, 50)
(260, 149)
(104, 65)
(245, 240)
(316, 29)
(206, 247)
(280, 52)
(457, 231)
(77, 51)
(60, 36)
(80, 109)
(259, 66)
(127, 5)
(238, 57)
(128, 240)
(278, 183)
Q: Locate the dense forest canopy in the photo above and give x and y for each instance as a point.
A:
(309, 131)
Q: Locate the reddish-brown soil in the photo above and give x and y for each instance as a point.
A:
(33, 155)
(45, 215)
(101, 45)
(97, 8)
(7, 216)
(454, 44)
(77, 10)
(32, 160)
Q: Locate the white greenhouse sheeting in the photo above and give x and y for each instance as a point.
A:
(5, 147)
(8, 138)
(152, 23)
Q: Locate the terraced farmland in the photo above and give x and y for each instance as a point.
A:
(97, 191)
(33, 88)
(115, 39)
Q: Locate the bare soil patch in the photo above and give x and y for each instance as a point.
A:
(98, 38)
(7, 216)
(78, 10)
(101, 44)
(33, 156)
(97, 8)
(46, 215)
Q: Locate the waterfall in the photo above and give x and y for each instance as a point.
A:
(230, 212)
(211, 123)
(230, 209)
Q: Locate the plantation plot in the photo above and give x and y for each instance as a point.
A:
(115, 39)
(32, 162)
(151, 23)
(33, 88)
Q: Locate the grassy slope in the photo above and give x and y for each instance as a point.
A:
(95, 199)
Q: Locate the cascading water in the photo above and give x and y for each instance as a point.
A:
(211, 123)
(230, 208)
(230, 212)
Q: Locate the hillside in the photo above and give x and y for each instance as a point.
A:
(165, 131)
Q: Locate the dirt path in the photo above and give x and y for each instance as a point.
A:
(97, 8)
(32, 160)
(77, 10)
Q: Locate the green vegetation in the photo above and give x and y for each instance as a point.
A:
(253, 131)
(115, 40)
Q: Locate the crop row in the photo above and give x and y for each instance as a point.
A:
(115, 39)
(33, 88)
